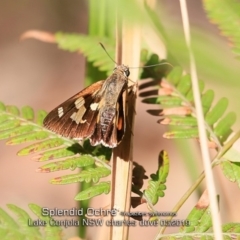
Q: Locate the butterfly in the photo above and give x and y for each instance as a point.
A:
(98, 112)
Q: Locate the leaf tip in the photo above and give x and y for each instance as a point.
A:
(43, 170)
(39, 35)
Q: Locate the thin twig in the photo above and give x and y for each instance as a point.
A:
(201, 128)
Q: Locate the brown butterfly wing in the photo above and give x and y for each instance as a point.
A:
(111, 132)
(75, 118)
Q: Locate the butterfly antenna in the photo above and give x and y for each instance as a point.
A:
(158, 64)
(107, 53)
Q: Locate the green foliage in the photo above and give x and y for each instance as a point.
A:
(18, 127)
(231, 170)
(69, 163)
(90, 174)
(89, 47)
(198, 225)
(156, 185)
(175, 98)
(52, 233)
(40, 146)
(199, 219)
(226, 15)
(95, 190)
(21, 229)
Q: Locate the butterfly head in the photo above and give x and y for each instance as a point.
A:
(123, 69)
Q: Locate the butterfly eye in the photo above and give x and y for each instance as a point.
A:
(127, 72)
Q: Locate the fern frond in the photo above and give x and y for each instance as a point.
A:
(21, 228)
(198, 224)
(88, 175)
(156, 185)
(226, 15)
(232, 228)
(95, 190)
(85, 44)
(199, 220)
(51, 232)
(20, 127)
(40, 146)
(69, 163)
(175, 98)
(89, 47)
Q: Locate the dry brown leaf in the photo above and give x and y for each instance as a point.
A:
(39, 35)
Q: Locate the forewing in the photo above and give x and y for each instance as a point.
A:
(75, 118)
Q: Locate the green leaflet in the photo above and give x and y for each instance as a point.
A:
(36, 147)
(223, 128)
(28, 137)
(89, 47)
(41, 114)
(16, 131)
(226, 15)
(232, 155)
(207, 99)
(19, 129)
(185, 133)
(164, 101)
(179, 121)
(23, 218)
(189, 95)
(231, 227)
(88, 175)
(2, 107)
(185, 84)
(54, 154)
(28, 113)
(231, 170)
(199, 219)
(13, 110)
(156, 185)
(3, 118)
(175, 75)
(205, 223)
(155, 71)
(20, 229)
(10, 124)
(217, 111)
(69, 163)
(6, 220)
(6, 234)
(51, 233)
(95, 190)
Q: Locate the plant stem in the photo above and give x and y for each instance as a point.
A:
(183, 200)
(122, 155)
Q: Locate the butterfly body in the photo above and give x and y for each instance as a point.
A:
(98, 112)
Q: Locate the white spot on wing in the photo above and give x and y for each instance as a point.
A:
(94, 106)
(73, 116)
(60, 112)
(79, 102)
